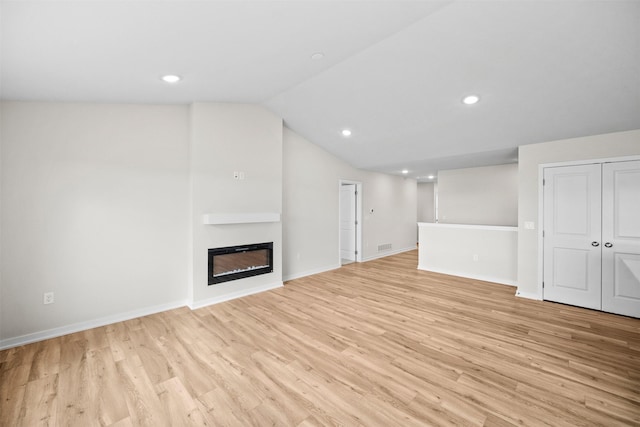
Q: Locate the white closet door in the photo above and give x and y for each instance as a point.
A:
(572, 232)
(621, 238)
(348, 222)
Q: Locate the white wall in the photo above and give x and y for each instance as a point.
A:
(530, 157)
(227, 138)
(426, 202)
(394, 218)
(102, 204)
(310, 208)
(476, 251)
(484, 195)
(94, 208)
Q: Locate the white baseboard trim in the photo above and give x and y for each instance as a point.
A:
(336, 266)
(121, 317)
(194, 305)
(499, 280)
(389, 253)
(90, 324)
(528, 295)
(311, 272)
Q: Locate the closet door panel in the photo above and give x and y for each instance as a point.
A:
(621, 238)
(572, 231)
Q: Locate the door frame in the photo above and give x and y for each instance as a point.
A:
(358, 215)
(541, 167)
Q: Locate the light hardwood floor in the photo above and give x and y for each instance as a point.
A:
(374, 344)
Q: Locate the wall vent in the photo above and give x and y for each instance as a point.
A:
(384, 247)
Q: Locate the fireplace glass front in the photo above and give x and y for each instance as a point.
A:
(237, 262)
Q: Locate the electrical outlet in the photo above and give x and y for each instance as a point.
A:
(475, 257)
(48, 298)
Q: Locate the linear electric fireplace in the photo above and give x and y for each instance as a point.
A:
(238, 262)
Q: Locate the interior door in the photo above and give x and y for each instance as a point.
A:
(572, 232)
(348, 222)
(621, 238)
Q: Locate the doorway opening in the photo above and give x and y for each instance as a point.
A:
(350, 223)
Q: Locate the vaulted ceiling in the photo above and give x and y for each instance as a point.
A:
(392, 72)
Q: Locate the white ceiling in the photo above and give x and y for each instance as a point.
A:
(394, 72)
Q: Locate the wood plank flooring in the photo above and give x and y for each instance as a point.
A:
(374, 344)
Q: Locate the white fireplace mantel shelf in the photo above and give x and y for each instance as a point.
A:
(240, 218)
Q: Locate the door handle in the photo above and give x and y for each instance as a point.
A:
(595, 244)
(608, 245)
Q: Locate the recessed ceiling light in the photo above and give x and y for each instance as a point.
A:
(431, 177)
(171, 78)
(471, 99)
(317, 55)
(346, 132)
(404, 171)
